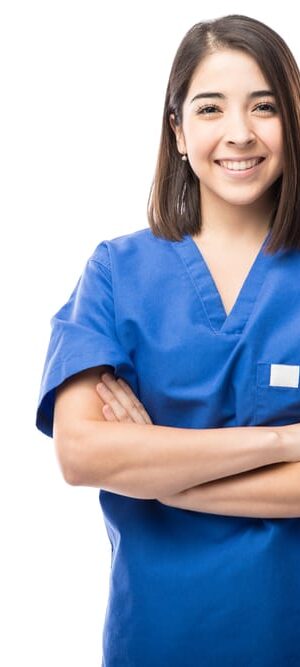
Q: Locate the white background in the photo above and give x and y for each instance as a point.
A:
(82, 92)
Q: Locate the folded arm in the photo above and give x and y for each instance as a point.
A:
(272, 491)
(179, 455)
(144, 460)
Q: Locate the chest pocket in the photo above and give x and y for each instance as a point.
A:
(277, 394)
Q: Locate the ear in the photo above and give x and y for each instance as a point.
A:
(177, 129)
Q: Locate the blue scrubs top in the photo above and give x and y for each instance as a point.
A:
(190, 588)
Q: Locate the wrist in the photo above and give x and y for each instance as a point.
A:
(283, 444)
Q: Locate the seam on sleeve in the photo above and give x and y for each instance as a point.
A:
(108, 274)
(102, 266)
(102, 250)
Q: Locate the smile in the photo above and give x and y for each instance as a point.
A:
(239, 169)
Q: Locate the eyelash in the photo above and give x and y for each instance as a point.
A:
(213, 106)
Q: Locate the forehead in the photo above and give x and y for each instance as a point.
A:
(227, 71)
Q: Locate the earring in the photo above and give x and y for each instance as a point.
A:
(184, 157)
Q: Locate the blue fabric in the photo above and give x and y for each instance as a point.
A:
(189, 588)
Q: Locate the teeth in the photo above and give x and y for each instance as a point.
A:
(239, 166)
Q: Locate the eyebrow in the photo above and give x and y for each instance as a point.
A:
(255, 93)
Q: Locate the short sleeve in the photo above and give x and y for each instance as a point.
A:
(83, 335)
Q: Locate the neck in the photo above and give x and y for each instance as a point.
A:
(232, 222)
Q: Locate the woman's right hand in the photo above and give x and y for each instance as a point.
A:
(290, 439)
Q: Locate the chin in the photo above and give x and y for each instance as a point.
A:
(243, 199)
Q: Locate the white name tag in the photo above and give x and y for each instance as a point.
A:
(284, 375)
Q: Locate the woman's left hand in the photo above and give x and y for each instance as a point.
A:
(121, 404)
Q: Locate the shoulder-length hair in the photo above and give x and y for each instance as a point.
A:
(173, 207)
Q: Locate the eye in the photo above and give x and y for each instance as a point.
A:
(266, 104)
(200, 110)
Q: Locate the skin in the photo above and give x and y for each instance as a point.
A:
(272, 491)
(235, 212)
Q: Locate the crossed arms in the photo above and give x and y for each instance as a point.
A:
(270, 491)
(241, 471)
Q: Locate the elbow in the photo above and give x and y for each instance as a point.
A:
(66, 456)
(71, 477)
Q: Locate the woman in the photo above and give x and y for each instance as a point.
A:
(196, 319)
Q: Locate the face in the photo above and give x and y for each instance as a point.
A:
(235, 126)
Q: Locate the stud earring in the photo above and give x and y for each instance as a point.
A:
(184, 157)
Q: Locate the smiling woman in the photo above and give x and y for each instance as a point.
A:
(250, 110)
(200, 316)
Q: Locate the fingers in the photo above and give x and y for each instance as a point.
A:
(135, 400)
(122, 410)
(123, 403)
(108, 413)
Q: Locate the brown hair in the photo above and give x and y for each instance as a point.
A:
(173, 207)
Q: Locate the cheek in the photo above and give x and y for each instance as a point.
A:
(203, 146)
(201, 139)
(271, 135)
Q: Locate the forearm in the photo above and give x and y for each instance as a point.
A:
(149, 461)
(273, 491)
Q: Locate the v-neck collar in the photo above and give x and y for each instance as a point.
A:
(220, 322)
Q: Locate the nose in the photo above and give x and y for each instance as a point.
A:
(239, 131)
